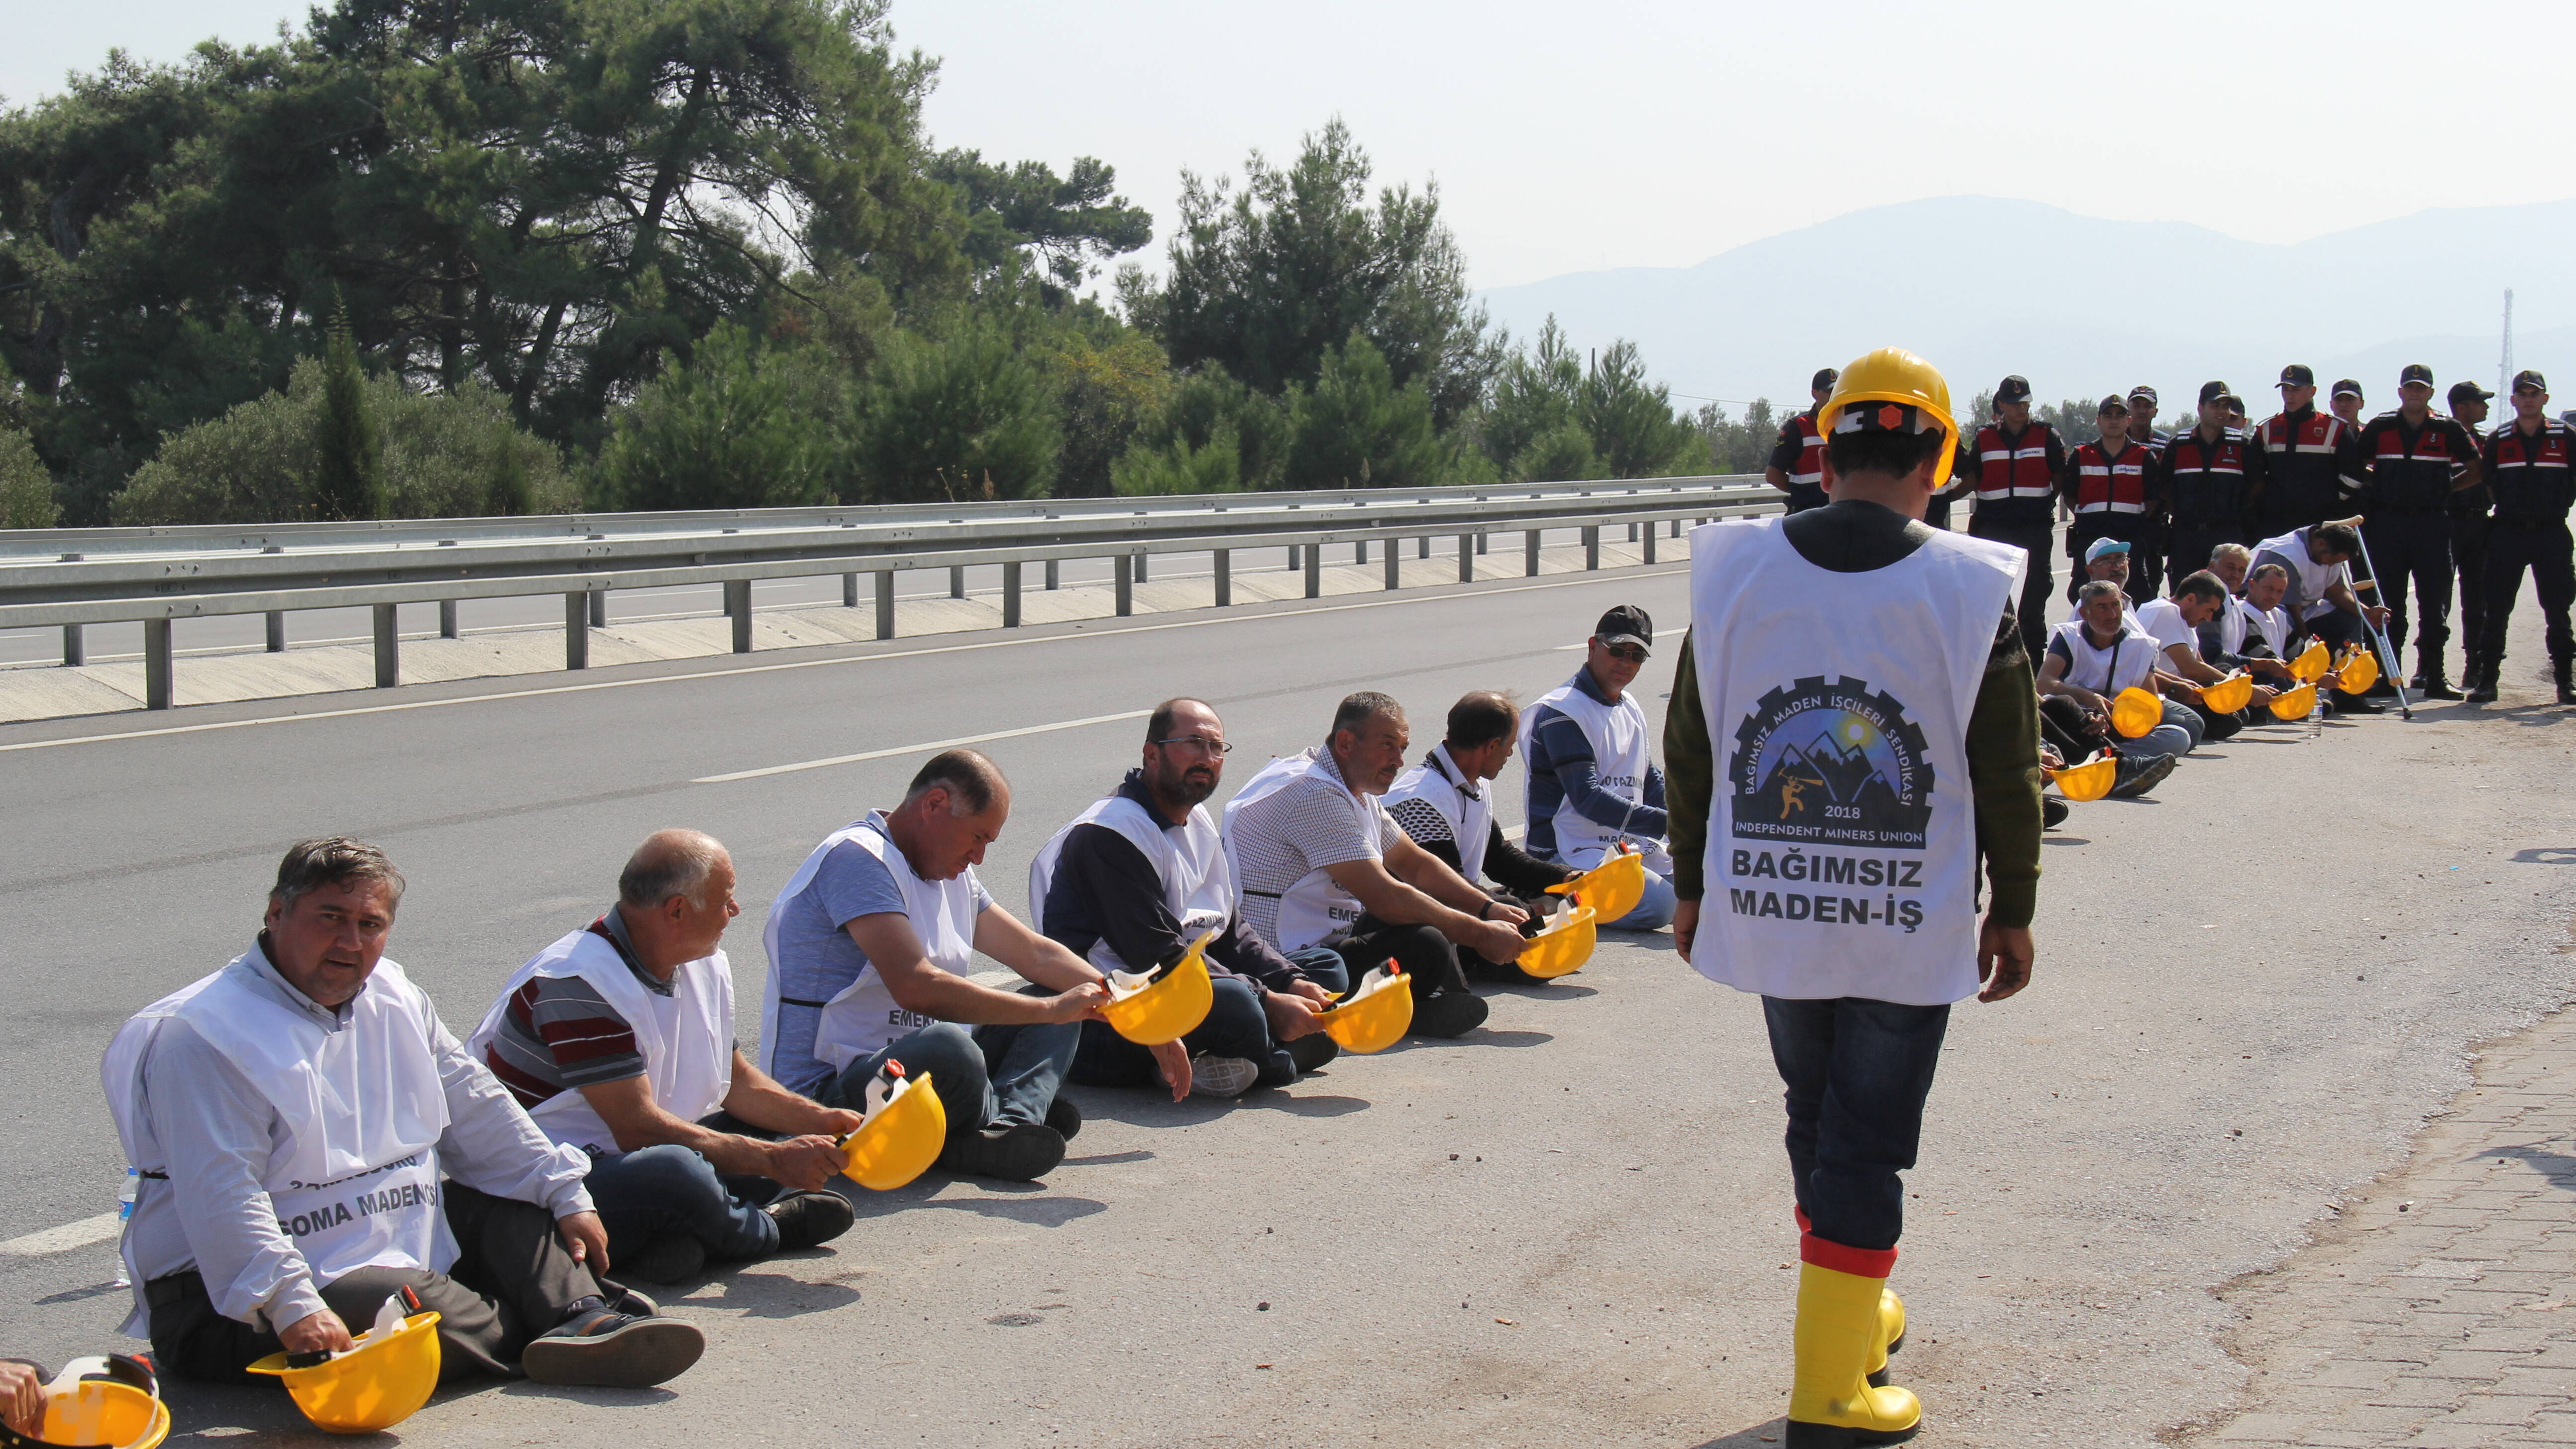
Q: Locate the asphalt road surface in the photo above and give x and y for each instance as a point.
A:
(1569, 1227)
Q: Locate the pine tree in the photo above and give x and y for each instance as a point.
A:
(349, 477)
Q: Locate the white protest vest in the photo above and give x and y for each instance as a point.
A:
(1842, 832)
(2272, 624)
(686, 1038)
(864, 1017)
(1198, 885)
(355, 1182)
(2232, 623)
(2124, 664)
(1434, 782)
(2310, 579)
(1617, 733)
(1313, 907)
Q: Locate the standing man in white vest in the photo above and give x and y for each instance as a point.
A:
(291, 1116)
(1317, 861)
(1853, 726)
(1138, 876)
(1446, 804)
(618, 1039)
(1590, 781)
(869, 944)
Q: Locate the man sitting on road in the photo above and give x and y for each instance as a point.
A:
(869, 945)
(618, 1039)
(1443, 803)
(2318, 601)
(2251, 632)
(2175, 624)
(2106, 560)
(291, 1116)
(2089, 662)
(1140, 875)
(1589, 780)
(1317, 861)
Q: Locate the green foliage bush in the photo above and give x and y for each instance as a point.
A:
(957, 418)
(744, 425)
(1357, 429)
(26, 489)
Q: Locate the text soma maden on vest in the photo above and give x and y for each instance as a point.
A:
(1820, 765)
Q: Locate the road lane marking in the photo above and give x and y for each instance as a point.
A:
(926, 747)
(1225, 617)
(65, 1238)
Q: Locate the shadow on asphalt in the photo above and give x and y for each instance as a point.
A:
(1760, 1434)
(775, 1295)
(262, 1415)
(1538, 991)
(2539, 855)
(2053, 839)
(2558, 1167)
(1140, 1108)
(1021, 1202)
(1104, 1159)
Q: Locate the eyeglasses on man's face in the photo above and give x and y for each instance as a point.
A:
(1200, 743)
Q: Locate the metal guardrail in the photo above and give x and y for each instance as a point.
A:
(75, 577)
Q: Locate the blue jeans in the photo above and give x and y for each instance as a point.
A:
(1236, 1026)
(1654, 909)
(2178, 735)
(1857, 1072)
(667, 1191)
(990, 1075)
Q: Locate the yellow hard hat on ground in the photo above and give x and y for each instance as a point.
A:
(1165, 1004)
(1892, 375)
(375, 1385)
(2088, 781)
(107, 1402)
(2229, 695)
(902, 1136)
(1613, 888)
(2134, 712)
(2310, 666)
(1373, 1017)
(2294, 703)
(1564, 946)
(2359, 672)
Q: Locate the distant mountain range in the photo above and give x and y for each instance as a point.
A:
(2081, 306)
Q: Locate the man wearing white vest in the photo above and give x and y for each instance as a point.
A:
(1137, 877)
(869, 944)
(2174, 622)
(1589, 781)
(2102, 652)
(291, 1117)
(1852, 728)
(1446, 804)
(1319, 862)
(618, 1039)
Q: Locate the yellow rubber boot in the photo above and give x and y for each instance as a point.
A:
(1832, 1404)
(1891, 1333)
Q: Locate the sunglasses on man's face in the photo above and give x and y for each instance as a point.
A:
(1629, 652)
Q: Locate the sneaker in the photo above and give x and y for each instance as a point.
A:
(1448, 1012)
(1216, 1076)
(1064, 1117)
(629, 1301)
(2053, 812)
(1010, 1151)
(1312, 1050)
(808, 1219)
(2140, 773)
(600, 1348)
(666, 1260)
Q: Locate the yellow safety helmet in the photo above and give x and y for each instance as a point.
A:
(2310, 666)
(2359, 672)
(107, 1402)
(1564, 946)
(2229, 695)
(2134, 712)
(1164, 1004)
(2294, 703)
(901, 1137)
(373, 1386)
(1613, 888)
(1373, 1017)
(2088, 781)
(1892, 375)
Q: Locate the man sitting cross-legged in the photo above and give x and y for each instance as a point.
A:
(2089, 662)
(1445, 804)
(618, 1039)
(2175, 623)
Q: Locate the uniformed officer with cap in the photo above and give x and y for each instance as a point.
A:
(2469, 522)
(2111, 487)
(2212, 477)
(2348, 403)
(1842, 758)
(2415, 460)
(2157, 540)
(2142, 417)
(2015, 463)
(2309, 457)
(2530, 468)
(1798, 458)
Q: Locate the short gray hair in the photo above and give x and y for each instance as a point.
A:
(1356, 710)
(2096, 589)
(332, 860)
(670, 863)
(2233, 552)
(970, 777)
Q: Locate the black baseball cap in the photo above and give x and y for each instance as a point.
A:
(2461, 391)
(1825, 377)
(2233, 401)
(2531, 379)
(1626, 624)
(2143, 391)
(2211, 392)
(2415, 372)
(2297, 374)
(2015, 388)
(2112, 404)
(2348, 388)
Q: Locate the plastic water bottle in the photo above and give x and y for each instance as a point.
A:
(124, 1215)
(2317, 717)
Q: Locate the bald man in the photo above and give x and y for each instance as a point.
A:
(618, 1039)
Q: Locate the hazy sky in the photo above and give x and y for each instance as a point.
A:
(1615, 134)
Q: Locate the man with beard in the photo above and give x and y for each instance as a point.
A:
(1140, 875)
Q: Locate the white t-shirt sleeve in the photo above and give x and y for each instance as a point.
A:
(2162, 622)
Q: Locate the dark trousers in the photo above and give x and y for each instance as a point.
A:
(512, 1280)
(669, 1191)
(2414, 548)
(1857, 1073)
(1235, 1027)
(990, 1075)
(2191, 549)
(1429, 959)
(2216, 726)
(2469, 535)
(2545, 550)
(2038, 584)
(2064, 725)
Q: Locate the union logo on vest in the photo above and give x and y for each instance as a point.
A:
(1831, 763)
